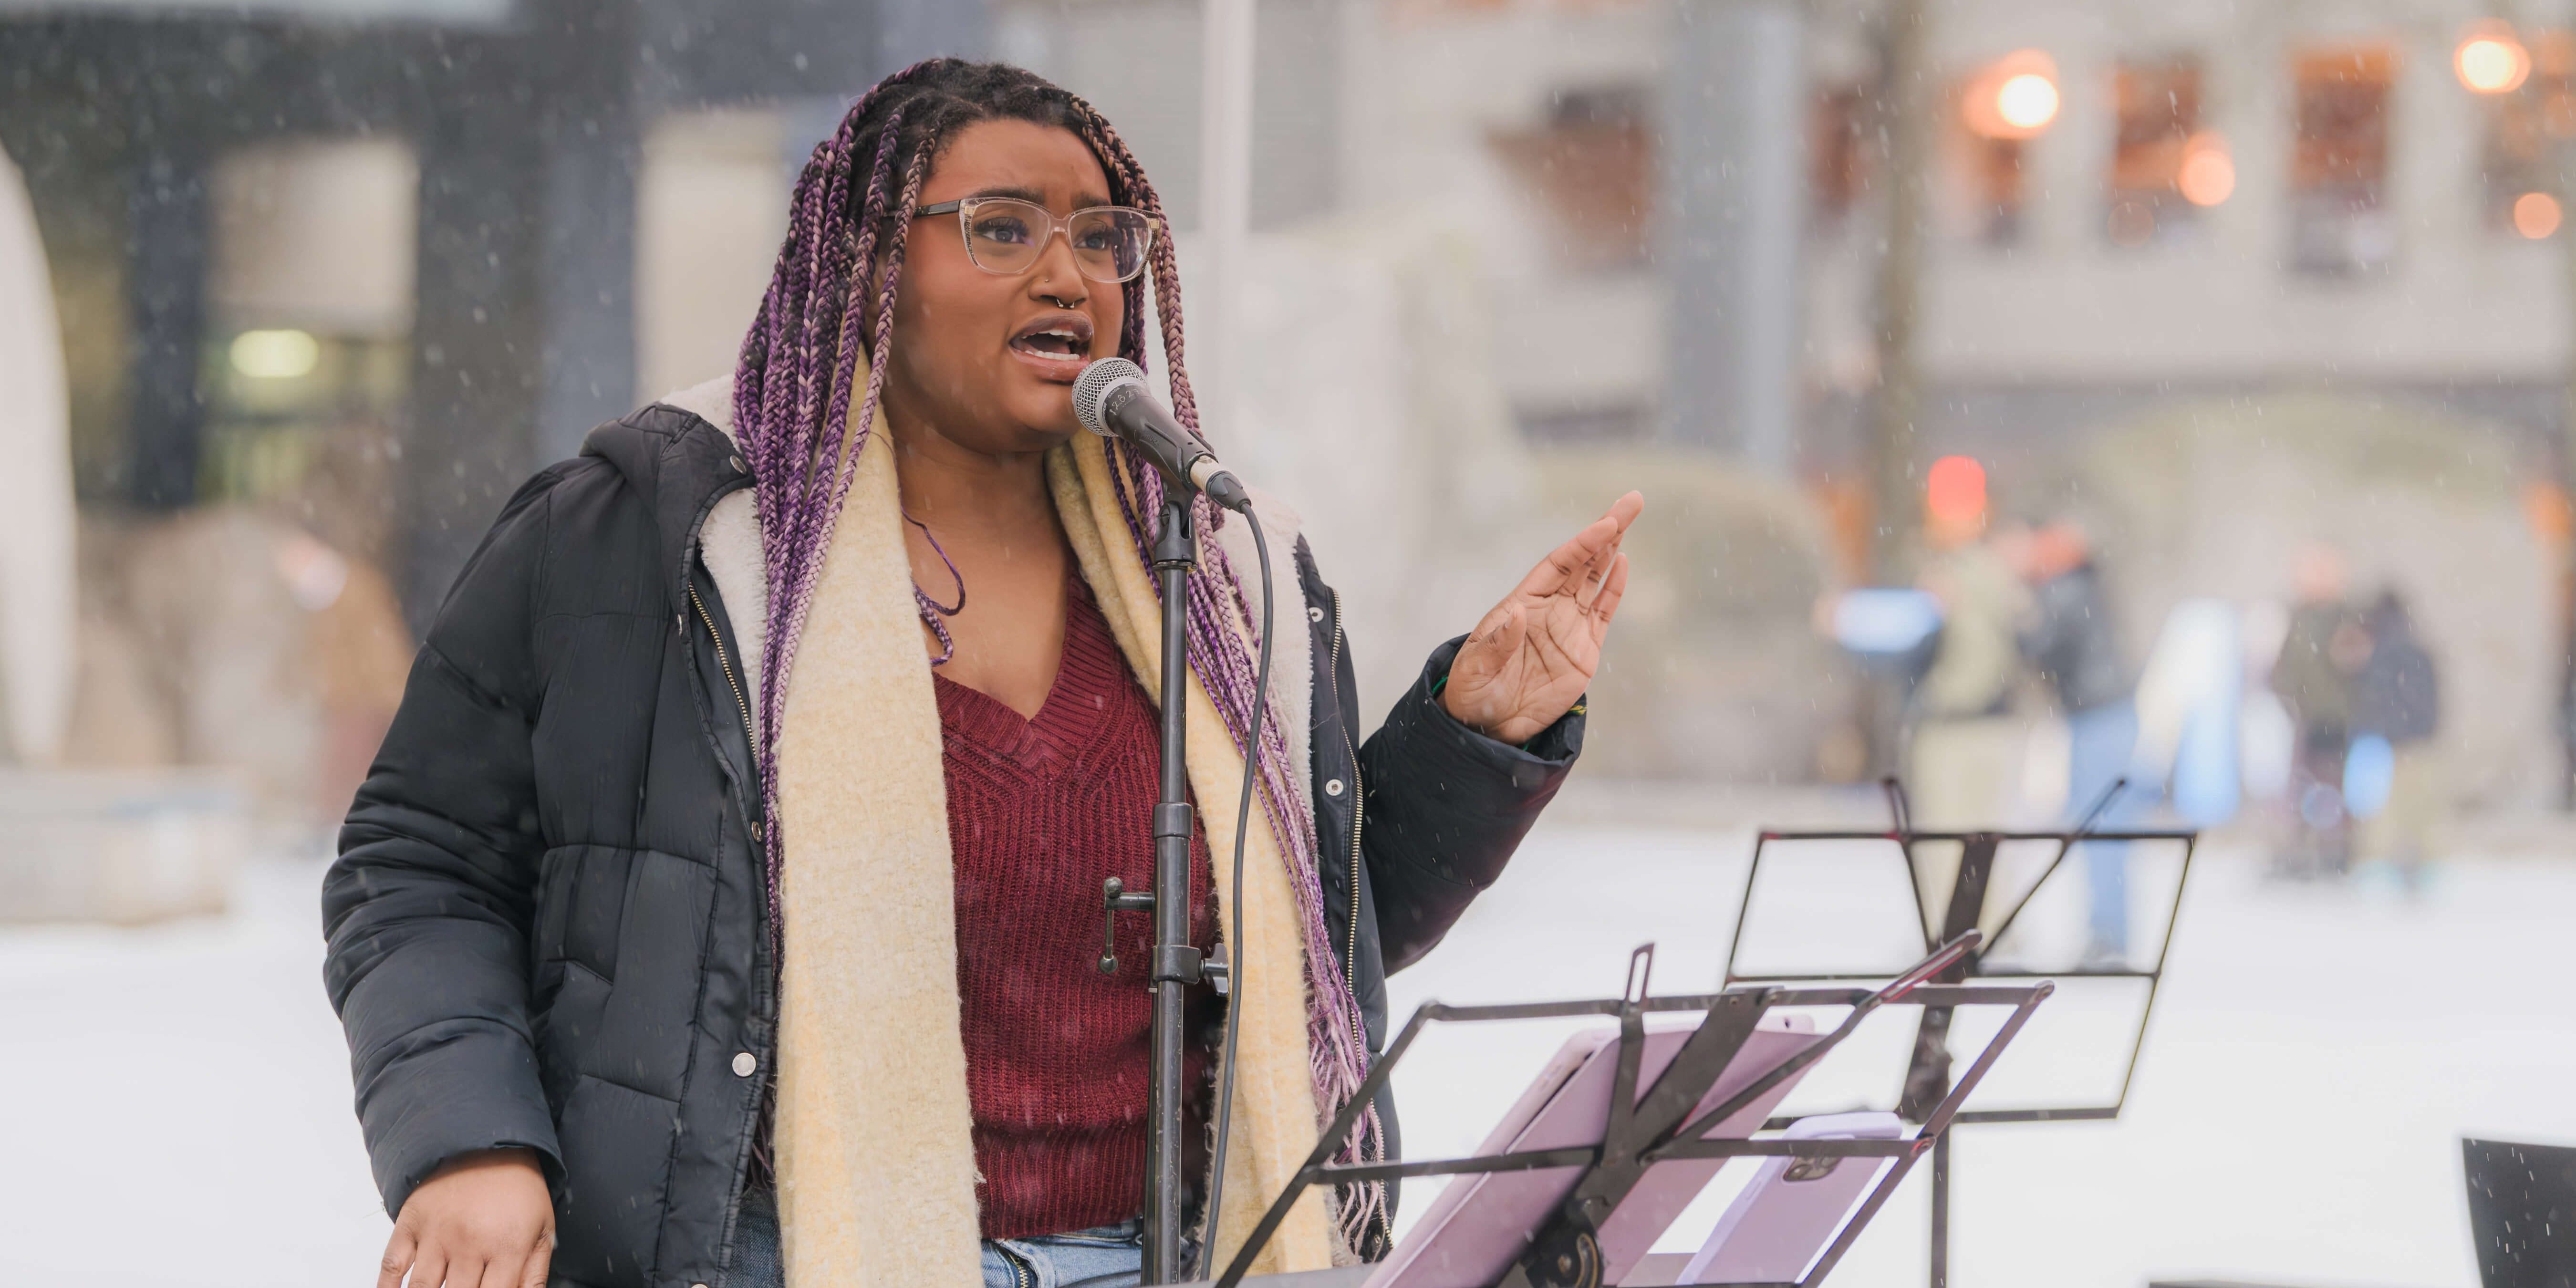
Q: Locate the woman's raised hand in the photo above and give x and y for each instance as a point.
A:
(482, 1220)
(1535, 653)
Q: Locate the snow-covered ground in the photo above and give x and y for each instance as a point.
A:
(175, 1104)
(177, 1098)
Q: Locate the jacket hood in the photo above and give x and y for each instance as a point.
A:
(680, 462)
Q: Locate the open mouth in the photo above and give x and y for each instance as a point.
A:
(1065, 338)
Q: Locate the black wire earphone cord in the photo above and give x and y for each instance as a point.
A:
(1234, 937)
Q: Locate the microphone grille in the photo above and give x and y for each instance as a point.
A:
(1094, 385)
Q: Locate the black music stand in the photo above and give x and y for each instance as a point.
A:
(1645, 1131)
(1927, 1076)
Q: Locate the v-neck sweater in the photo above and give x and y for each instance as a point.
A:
(1040, 811)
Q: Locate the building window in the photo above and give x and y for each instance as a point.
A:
(1995, 190)
(2165, 168)
(1840, 155)
(2001, 108)
(2527, 127)
(1592, 167)
(2339, 220)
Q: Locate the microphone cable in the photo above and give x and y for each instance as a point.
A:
(1234, 940)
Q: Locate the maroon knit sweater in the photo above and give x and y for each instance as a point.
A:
(1039, 813)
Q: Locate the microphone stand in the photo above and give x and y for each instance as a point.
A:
(1177, 963)
(1176, 960)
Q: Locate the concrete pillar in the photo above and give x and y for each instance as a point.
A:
(476, 331)
(170, 229)
(1734, 200)
(593, 140)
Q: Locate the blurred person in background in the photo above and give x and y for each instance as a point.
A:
(2397, 714)
(2321, 659)
(2071, 641)
(1960, 757)
(657, 971)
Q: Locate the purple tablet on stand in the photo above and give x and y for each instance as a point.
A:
(1482, 1222)
(1777, 1227)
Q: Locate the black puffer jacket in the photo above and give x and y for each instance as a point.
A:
(546, 922)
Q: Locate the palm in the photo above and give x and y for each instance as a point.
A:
(1530, 658)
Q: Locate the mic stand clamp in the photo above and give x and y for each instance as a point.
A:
(1183, 963)
(1114, 899)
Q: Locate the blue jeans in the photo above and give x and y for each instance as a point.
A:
(1110, 1256)
(2101, 741)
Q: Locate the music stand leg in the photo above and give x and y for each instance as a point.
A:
(1941, 1211)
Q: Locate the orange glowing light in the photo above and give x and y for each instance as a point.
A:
(2545, 507)
(1955, 490)
(2535, 215)
(2014, 97)
(2027, 101)
(2208, 174)
(2490, 60)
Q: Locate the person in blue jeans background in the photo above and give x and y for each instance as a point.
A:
(2071, 640)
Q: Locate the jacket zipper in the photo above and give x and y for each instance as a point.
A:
(724, 662)
(1359, 809)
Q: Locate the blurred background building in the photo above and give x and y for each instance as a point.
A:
(331, 277)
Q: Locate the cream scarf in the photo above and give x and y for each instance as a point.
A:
(876, 1167)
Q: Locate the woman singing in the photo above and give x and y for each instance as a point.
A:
(724, 905)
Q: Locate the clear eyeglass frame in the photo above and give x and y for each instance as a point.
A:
(1129, 235)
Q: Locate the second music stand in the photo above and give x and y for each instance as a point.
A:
(1928, 1074)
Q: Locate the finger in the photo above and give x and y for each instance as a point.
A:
(466, 1269)
(430, 1270)
(539, 1262)
(1562, 571)
(1507, 634)
(510, 1269)
(1471, 692)
(1477, 656)
(1613, 589)
(1625, 510)
(1490, 646)
(1598, 575)
(398, 1257)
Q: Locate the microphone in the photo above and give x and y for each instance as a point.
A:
(1110, 399)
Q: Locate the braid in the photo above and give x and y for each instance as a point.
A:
(1128, 177)
(803, 413)
(790, 426)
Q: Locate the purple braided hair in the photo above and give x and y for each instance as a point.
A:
(793, 415)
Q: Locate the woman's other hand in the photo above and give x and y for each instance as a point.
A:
(482, 1220)
(1535, 653)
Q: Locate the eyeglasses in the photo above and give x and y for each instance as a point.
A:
(1005, 236)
